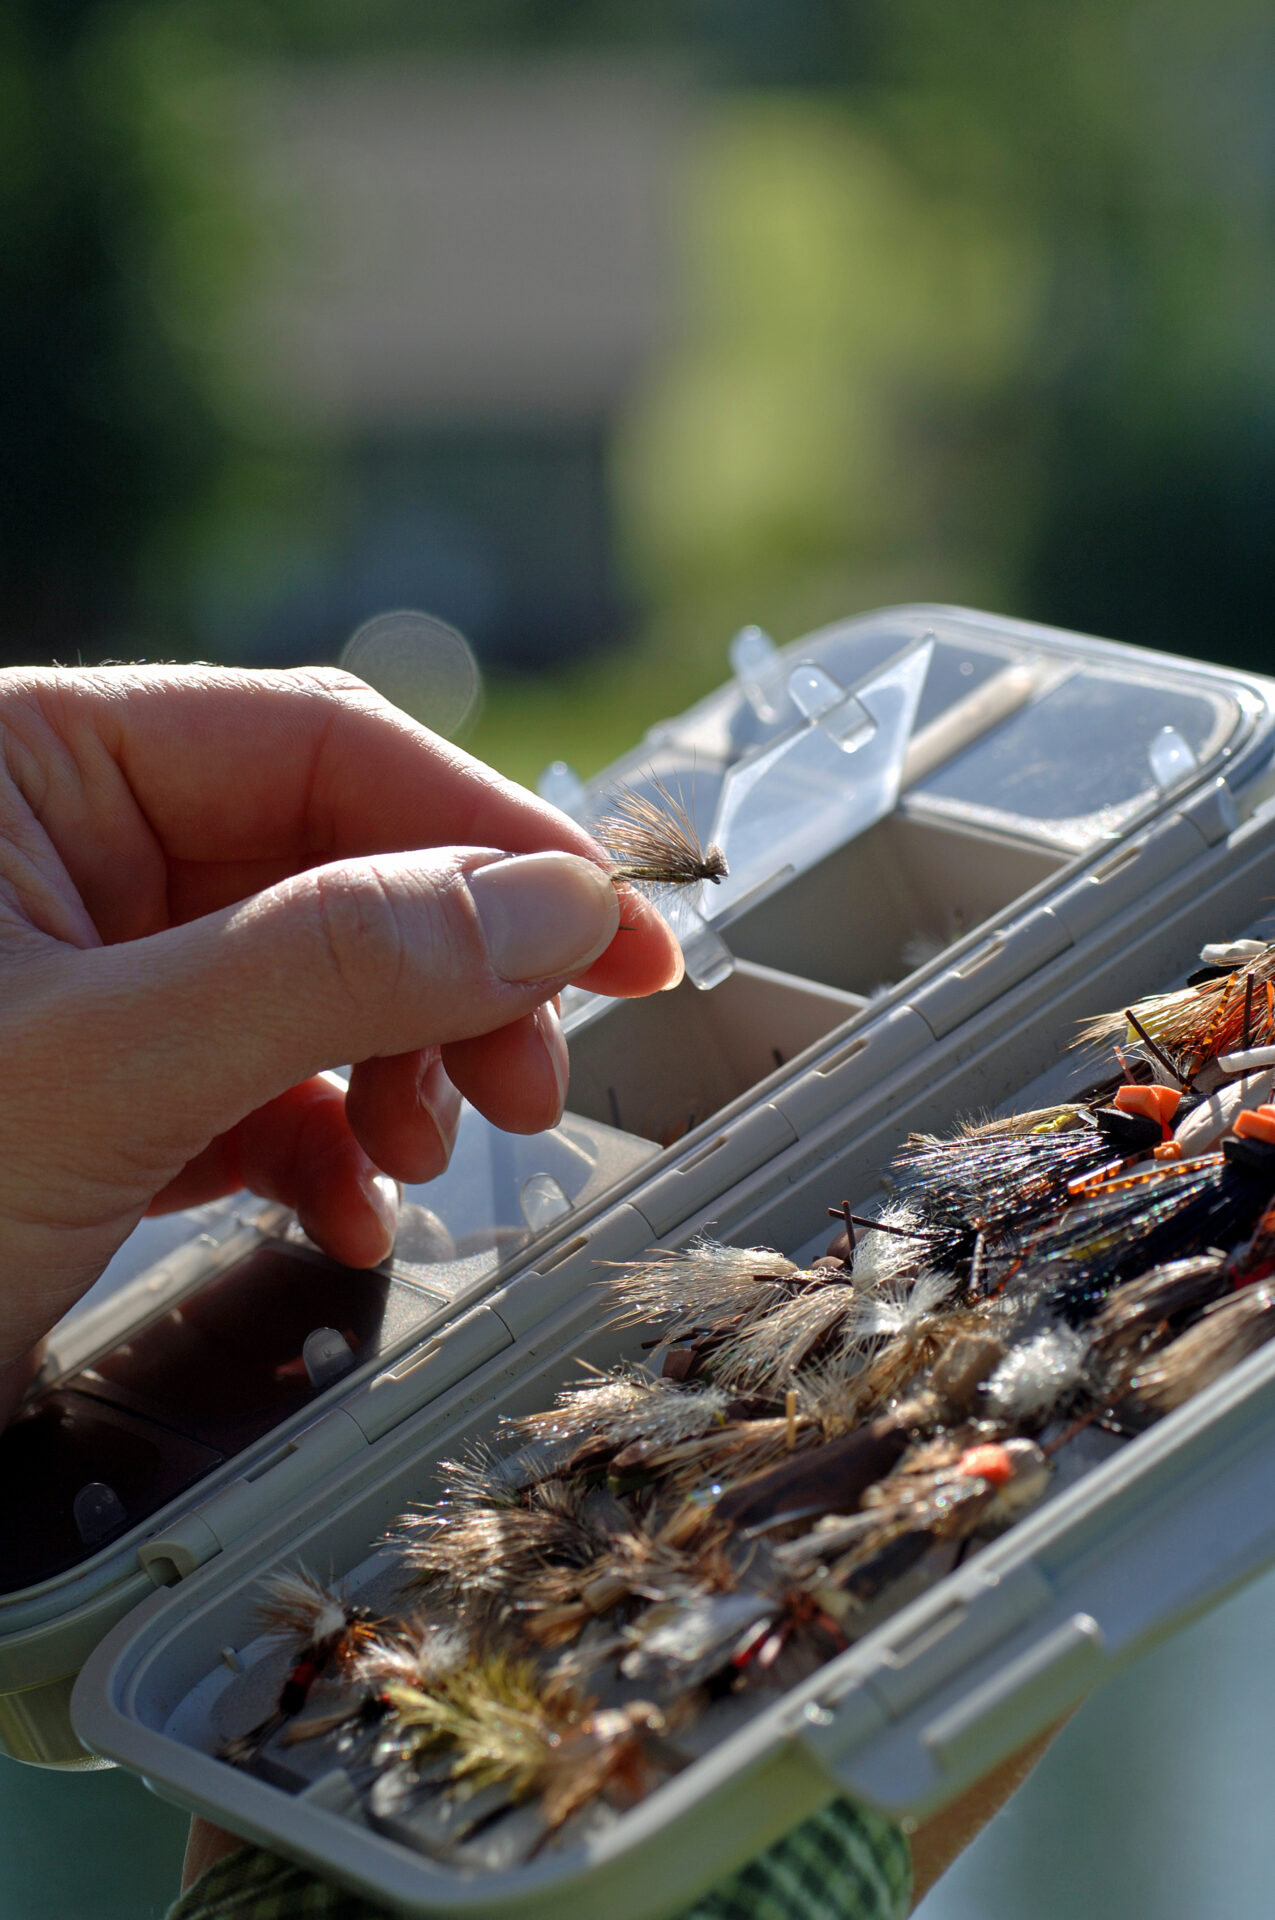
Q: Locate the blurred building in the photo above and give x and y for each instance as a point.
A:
(470, 271)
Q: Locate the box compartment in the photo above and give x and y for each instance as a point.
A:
(659, 1067)
(942, 1688)
(896, 898)
(810, 958)
(512, 1233)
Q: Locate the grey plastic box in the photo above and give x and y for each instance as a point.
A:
(933, 959)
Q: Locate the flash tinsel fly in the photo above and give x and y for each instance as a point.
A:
(653, 839)
(1120, 1228)
(974, 1185)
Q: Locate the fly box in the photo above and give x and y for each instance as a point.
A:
(950, 839)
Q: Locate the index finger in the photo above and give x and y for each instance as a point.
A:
(236, 772)
(308, 765)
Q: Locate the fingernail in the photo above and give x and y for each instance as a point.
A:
(543, 914)
(439, 1099)
(679, 973)
(556, 1047)
(382, 1195)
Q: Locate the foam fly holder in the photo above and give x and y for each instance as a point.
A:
(1045, 826)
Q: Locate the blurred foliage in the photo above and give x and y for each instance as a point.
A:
(980, 307)
(107, 434)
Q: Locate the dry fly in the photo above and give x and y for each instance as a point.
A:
(488, 1715)
(652, 838)
(626, 1406)
(818, 1435)
(1145, 1311)
(639, 1565)
(496, 1550)
(328, 1637)
(898, 1334)
(888, 1248)
(706, 1285)
(983, 1489)
(417, 1651)
(1226, 1333)
(497, 1726)
(838, 1319)
(701, 1466)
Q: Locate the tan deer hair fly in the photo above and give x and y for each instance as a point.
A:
(652, 838)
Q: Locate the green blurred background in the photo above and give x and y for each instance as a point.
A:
(602, 330)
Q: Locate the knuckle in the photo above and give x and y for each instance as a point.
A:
(361, 933)
(336, 684)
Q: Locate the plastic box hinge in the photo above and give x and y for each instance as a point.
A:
(1120, 880)
(257, 1495)
(725, 1158)
(566, 1270)
(860, 1064)
(428, 1371)
(1004, 959)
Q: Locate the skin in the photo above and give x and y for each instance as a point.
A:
(214, 886)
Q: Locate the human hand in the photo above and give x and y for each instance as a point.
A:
(212, 889)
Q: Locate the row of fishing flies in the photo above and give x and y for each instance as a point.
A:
(598, 1599)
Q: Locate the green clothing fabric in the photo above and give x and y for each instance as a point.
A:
(842, 1864)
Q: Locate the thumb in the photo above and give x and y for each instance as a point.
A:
(383, 955)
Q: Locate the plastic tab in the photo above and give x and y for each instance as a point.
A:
(543, 1200)
(821, 784)
(1016, 1702)
(1004, 959)
(709, 961)
(826, 704)
(327, 1357)
(1213, 811)
(98, 1512)
(756, 664)
(563, 788)
(1171, 758)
